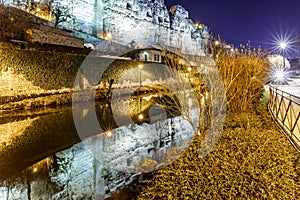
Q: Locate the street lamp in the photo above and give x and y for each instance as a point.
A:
(140, 68)
(279, 73)
(108, 133)
(141, 117)
(283, 46)
(108, 36)
(217, 42)
(140, 107)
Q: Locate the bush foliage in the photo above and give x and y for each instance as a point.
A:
(244, 72)
(251, 160)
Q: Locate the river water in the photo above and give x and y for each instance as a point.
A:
(42, 155)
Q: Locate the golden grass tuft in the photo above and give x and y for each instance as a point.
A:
(244, 73)
(251, 160)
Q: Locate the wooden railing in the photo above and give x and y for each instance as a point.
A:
(285, 109)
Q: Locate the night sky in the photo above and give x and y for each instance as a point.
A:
(262, 22)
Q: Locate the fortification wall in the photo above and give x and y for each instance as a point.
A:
(20, 25)
(137, 23)
(144, 23)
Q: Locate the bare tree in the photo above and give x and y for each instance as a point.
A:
(61, 14)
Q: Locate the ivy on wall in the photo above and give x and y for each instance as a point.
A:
(48, 70)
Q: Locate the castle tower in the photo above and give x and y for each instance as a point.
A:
(98, 28)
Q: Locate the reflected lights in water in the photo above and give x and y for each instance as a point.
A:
(12, 130)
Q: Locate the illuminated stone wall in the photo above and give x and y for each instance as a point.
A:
(74, 173)
(137, 23)
(19, 25)
(26, 72)
(124, 155)
(133, 23)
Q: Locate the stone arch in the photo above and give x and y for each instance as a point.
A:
(113, 74)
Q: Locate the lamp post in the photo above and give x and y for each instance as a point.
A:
(140, 99)
(140, 69)
(217, 43)
(283, 46)
(109, 37)
(280, 74)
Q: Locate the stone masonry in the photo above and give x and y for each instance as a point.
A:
(135, 23)
(138, 23)
(24, 27)
(102, 164)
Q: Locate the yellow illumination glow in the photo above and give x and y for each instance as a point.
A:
(141, 116)
(206, 95)
(108, 133)
(108, 36)
(202, 101)
(34, 169)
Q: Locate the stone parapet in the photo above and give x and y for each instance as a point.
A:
(44, 36)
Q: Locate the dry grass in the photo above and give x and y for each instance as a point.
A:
(244, 73)
(251, 160)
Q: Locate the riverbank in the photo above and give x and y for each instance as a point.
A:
(252, 160)
(48, 99)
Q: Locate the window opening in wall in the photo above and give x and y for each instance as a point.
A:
(128, 6)
(160, 20)
(156, 57)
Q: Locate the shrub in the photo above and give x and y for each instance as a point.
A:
(244, 72)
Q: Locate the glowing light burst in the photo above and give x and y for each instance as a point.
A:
(283, 43)
(278, 76)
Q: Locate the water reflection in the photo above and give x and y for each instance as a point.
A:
(40, 134)
(42, 156)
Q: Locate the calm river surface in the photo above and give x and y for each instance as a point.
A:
(42, 156)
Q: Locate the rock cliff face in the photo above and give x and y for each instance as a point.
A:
(136, 23)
